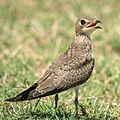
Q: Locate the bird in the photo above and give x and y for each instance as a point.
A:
(70, 69)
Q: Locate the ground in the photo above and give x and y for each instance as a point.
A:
(34, 33)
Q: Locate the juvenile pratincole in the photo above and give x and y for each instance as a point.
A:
(69, 70)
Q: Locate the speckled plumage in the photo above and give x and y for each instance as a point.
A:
(70, 69)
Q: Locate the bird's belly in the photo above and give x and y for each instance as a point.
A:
(82, 75)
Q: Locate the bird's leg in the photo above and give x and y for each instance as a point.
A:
(56, 100)
(76, 103)
(76, 99)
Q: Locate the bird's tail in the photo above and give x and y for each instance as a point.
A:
(25, 95)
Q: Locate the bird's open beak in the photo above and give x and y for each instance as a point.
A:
(93, 24)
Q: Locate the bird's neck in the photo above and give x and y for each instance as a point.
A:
(82, 39)
(83, 44)
(87, 37)
(81, 34)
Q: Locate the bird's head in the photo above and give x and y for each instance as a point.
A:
(85, 26)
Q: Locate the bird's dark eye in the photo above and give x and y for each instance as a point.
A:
(83, 22)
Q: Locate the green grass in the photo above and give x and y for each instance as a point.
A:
(34, 33)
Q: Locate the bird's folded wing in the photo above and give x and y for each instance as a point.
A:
(60, 75)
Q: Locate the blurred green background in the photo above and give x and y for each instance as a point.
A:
(33, 33)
